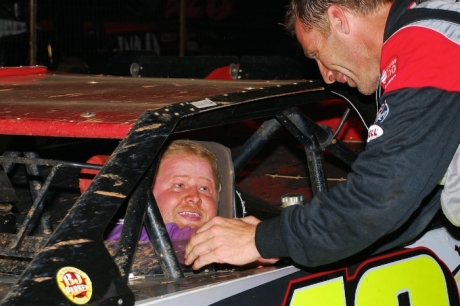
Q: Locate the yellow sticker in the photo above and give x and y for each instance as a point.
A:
(410, 277)
(75, 284)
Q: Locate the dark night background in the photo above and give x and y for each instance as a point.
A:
(79, 35)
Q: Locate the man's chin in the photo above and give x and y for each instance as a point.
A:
(368, 88)
(366, 92)
(190, 223)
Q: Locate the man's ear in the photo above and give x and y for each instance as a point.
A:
(338, 19)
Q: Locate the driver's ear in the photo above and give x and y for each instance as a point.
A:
(338, 19)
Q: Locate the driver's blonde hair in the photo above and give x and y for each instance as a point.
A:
(312, 13)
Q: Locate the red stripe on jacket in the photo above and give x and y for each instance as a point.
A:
(417, 57)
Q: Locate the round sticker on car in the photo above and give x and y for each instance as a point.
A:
(75, 284)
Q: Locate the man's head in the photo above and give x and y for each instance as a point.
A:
(187, 184)
(343, 36)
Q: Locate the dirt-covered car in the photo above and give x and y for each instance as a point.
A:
(52, 247)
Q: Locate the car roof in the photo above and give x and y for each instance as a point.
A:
(95, 106)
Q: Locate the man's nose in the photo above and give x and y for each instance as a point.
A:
(327, 74)
(193, 195)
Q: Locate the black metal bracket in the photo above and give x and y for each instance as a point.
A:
(304, 132)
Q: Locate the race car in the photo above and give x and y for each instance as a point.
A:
(52, 247)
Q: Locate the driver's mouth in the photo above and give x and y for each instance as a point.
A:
(191, 215)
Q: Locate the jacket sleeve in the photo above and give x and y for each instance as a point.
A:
(384, 191)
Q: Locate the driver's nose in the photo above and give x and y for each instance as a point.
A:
(193, 196)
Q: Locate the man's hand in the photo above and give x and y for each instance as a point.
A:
(223, 240)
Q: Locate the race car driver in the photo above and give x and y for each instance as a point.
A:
(186, 189)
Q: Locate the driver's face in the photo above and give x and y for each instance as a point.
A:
(341, 58)
(185, 191)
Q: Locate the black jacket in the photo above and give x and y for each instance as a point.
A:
(391, 195)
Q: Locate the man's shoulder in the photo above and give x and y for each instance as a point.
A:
(408, 12)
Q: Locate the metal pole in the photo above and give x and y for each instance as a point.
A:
(303, 130)
(33, 33)
(255, 143)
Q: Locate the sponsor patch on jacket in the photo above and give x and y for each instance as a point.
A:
(389, 73)
(374, 131)
(382, 113)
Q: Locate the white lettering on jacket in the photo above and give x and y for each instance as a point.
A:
(389, 73)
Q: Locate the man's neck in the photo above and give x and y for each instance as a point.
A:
(373, 27)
